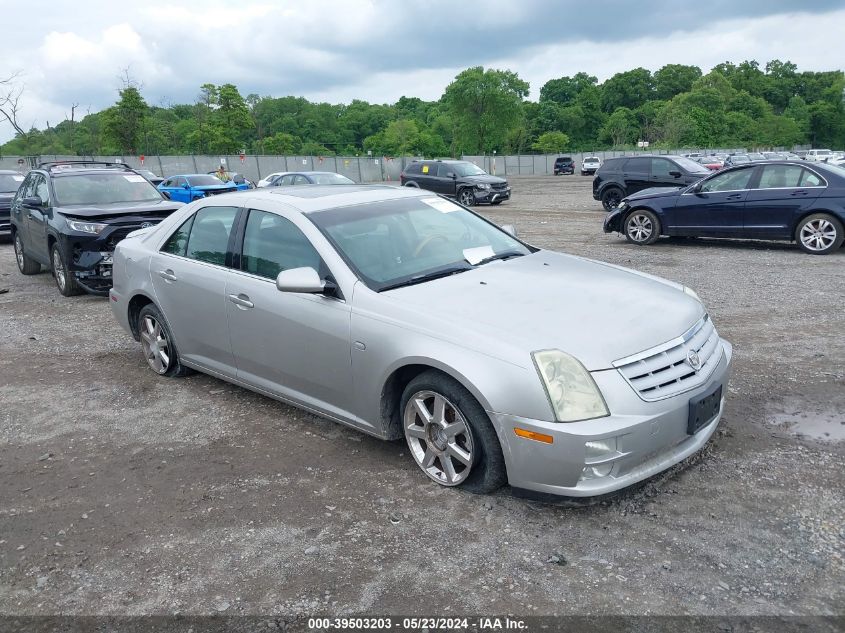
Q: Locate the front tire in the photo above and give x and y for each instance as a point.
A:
(642, 227)
(26, 264)
(466, 197)
(450, 435)
(819, 234)
(611, 198)
(65, 279)
(157, 343)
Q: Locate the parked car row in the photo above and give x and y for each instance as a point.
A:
(800, 201)
(566, 165)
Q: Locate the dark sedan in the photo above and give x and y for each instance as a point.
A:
(775, 200)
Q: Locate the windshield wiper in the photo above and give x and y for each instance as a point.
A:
(502, 255)
(418, 279)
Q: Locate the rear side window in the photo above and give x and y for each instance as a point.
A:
(209, 236)
(612, 164)
(273, 244)
(413, 168)
(177, 244)
(809, 179)
(638, 165)
(780, 176)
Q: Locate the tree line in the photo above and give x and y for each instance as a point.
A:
(480, 111)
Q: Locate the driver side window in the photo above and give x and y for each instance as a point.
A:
(273, 244)
(730, 181)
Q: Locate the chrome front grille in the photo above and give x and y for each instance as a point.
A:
(668, 369)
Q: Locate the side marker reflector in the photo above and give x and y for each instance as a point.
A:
(531, 435)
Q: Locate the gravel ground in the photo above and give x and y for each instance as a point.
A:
(125, 493)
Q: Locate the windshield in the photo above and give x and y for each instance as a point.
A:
(331, 179)
(9, 183)
(468, 169)
(398, 242)
(740, 159)
(103, 188)
(203, 181)
(690, 165)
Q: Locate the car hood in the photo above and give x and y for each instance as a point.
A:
(120, 209)
(486, 178)
(596, 312)
(655, 192)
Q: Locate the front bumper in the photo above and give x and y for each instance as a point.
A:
(5, 221)
(564, 170)
(491, 195)
(613, 221)
(649, 437)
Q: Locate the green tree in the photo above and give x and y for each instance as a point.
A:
(551, 142)
(564, 90)
(484, 105)
(124, 122)
(282, 143)
(673, 79)
(629, 89)
(620, 128)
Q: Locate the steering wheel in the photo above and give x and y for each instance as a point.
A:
(421, 246)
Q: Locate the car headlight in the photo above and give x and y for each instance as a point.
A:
(482, 185)
(692, 293)
(86, 227)
(571, 389)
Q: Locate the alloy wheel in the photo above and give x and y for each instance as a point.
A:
(155, 344)
(59, 269)
(640, 228)
(818, 234)
(19, 251)
(466, 198)
(439, 438)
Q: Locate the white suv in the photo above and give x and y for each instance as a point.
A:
(818, 155)
(589, 165)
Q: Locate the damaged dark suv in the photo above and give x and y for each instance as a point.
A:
(69, 216)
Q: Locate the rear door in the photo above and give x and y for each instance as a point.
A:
(714, 211)
(189, 278)
(637, 174)
(777, 199)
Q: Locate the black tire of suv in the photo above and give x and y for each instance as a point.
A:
(643, 214)
(26, 264)
(467, 201)
(70, 288)
(834, 245)
(611, 197)
(488, 470)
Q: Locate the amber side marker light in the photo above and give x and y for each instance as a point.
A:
(531, 435)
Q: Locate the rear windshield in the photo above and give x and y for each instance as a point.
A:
(103, 188)
(203, 181)
(9, 183)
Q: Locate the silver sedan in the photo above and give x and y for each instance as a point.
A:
(404, 314)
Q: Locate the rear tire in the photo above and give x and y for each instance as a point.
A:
(819, 234)
(611, 198)
(26, 264)
(65, 279)
(461, 433)
(158, 345)
(642, 227)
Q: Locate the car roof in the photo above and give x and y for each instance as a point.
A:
(312, 198)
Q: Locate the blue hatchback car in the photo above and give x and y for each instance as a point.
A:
(190, 187)
(774, 200)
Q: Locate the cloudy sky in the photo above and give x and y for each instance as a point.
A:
(378, 50)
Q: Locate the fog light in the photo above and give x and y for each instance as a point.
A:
(596, 471)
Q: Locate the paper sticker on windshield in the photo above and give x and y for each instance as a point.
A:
(478, 254)
(425, 169)
(17, 178)
(444, 206)
(135, 178)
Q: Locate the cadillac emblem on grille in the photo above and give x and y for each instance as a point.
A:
(693, 360)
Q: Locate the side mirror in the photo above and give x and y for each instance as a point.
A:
(452, 175)
(696, 188)
(165, 195)
(509, 229)
(186, 186)
(33, 201)
(304, 279)
(675, 173)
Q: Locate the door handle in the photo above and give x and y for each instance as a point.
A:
(798, 193)
(734, 196)
(242, 301)
(167, 275)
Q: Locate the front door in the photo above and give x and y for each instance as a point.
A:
(715, 210)
(781, 193)
(665, 173)
(189, 278)
(295, 345)
(36, 219)
(445, 181)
